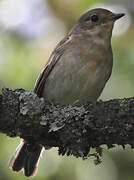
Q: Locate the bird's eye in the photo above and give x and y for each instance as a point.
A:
(94, 18)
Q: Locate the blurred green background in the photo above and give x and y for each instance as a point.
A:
(29, 30)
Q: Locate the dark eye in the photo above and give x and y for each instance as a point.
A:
(94, 18)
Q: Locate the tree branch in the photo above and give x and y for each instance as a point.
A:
(73, 129)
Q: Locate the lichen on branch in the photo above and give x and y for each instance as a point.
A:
(73, 129)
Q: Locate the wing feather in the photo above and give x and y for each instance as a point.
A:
(54, 58)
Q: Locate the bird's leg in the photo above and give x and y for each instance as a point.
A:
(97, 155)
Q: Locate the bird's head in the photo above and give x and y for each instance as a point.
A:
(98, 22)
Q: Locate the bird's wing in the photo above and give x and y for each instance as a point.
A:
(55, 56)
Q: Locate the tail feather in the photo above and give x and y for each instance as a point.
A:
(31, 161)
(16, 162)
(26, 157)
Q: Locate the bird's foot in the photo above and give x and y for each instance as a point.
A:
(97, 155)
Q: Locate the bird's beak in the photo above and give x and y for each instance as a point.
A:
(118, 16)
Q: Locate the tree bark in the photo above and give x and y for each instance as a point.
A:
(73, 129)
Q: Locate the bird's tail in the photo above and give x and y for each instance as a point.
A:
(26, 157)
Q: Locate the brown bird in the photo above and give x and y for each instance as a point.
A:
(75, 73)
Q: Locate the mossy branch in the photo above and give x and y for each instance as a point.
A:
(73, 129)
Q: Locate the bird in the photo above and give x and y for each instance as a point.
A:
(76, 73)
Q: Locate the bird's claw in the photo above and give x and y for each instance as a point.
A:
(97, 155)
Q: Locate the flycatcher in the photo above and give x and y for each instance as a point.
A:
(75, 73)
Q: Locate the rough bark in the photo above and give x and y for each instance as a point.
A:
(73, 129)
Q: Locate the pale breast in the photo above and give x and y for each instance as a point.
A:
(77, 79)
